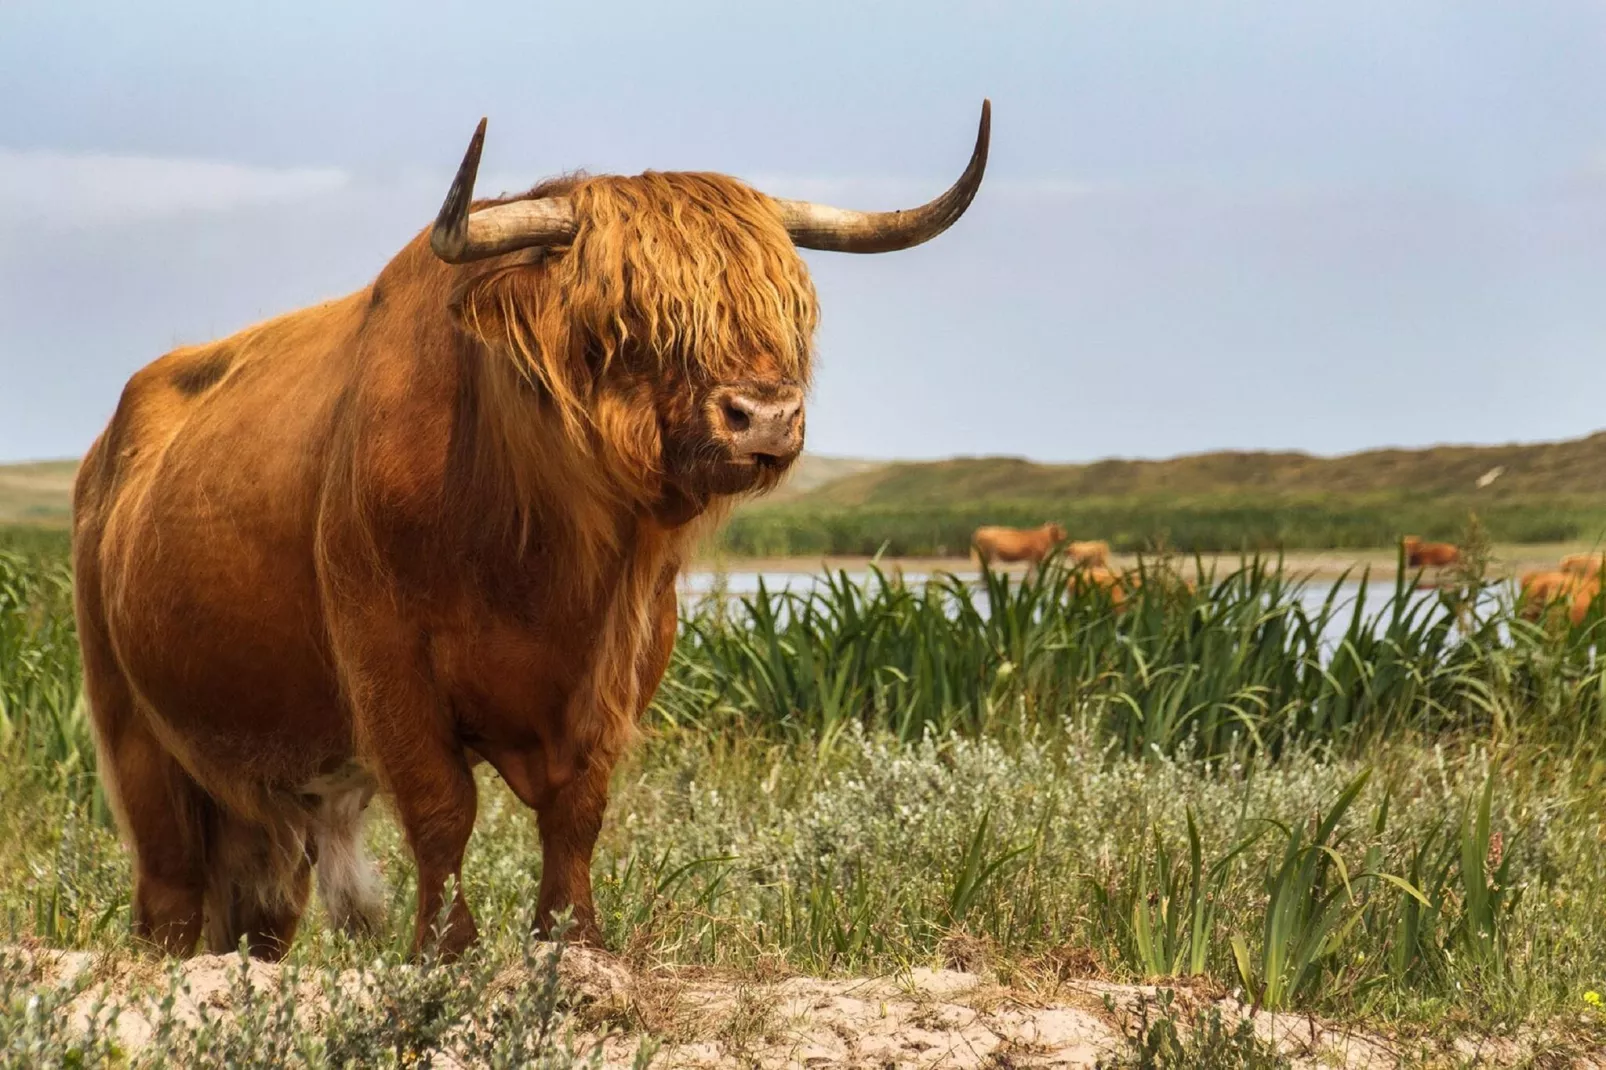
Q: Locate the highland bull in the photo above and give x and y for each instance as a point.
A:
(363, 546)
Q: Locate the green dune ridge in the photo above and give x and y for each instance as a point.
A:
(1535, 493)
(1225, 501)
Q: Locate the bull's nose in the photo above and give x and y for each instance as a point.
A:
(767, 423)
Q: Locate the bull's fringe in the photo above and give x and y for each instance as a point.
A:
(694, 270)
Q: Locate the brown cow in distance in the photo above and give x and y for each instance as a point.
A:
(364, 546)
(1098, 577)
(1000, 544)
(1091, 554)
(1540, 590)
(1584, 564)
(1419, 554)
(1124, 586)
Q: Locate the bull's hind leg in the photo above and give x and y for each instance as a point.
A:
(161, 811)
(258, 880)
(163, 814)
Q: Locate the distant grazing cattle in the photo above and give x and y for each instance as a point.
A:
(1540, 590)
(992, 544)
(1123, 586)
(1588, 591)
(1419, 554)
(1097, 577)
(364, 546)
(1093, 554)
(1584, 564)
(1158, 577)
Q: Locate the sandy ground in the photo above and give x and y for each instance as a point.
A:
(1319, 565)
(924, 1018)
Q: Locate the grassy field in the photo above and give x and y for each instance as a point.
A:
(1233, 502)
(1206, 524)
(1209, 503)
(1555, 469)
(1404, 829)
(39, 493)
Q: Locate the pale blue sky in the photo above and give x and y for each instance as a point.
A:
(1315, 226)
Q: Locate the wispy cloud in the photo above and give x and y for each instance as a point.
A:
(78, 189)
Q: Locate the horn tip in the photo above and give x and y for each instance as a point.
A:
(449, 237)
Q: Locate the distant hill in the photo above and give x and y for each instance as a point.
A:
(1543, 492)
(1572, 468)
(40, 492)
(813, 471)
(37, 493)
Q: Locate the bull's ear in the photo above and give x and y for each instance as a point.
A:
(505, 312)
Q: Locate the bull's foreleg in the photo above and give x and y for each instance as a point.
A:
(569, 822)
(404, 733)
(570, 813)
(435, 799)
(438, 828)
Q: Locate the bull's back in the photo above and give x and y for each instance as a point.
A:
(194, 521)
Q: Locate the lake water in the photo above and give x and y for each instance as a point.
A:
(697, 584)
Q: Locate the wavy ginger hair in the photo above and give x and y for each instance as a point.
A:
(673, 280)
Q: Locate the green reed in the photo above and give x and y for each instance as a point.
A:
(1400, 820)
(938, 524)
(1240, 662)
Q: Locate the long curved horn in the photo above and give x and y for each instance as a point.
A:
(841, 230)
(459, 237)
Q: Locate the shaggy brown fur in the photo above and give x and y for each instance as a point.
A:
(367, 544)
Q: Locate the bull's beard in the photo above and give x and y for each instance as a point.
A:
(710, 472)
